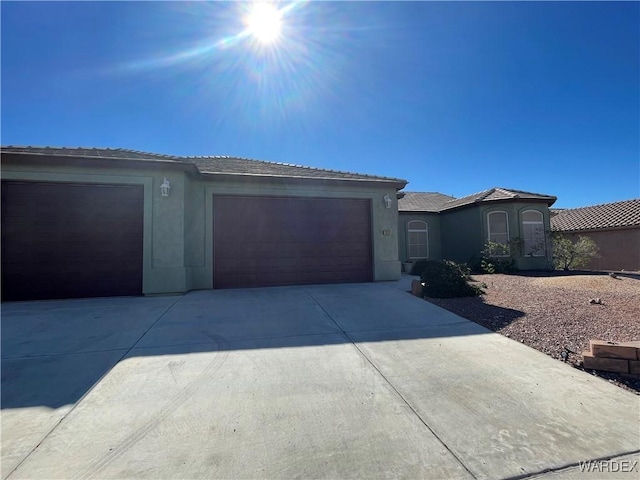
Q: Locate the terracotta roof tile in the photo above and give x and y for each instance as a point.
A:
(608, 215)
(224, 165)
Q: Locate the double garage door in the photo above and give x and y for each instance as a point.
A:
(71, 240)
(266, 241)
(67, 240)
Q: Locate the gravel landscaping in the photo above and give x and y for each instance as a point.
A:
(551, 312)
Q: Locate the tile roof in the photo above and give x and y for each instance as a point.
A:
(81, 152)
(608, 215)
(438, 202)
(246, 166)
(223, 165)
(423, 202)
(498, 194)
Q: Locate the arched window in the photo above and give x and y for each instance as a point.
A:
(498, 233)
(417, 239)
(533, 233)
(498, 227)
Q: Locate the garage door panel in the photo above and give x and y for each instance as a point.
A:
(263, 241)
(71, 240)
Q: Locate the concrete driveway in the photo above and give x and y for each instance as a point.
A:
(335, 381)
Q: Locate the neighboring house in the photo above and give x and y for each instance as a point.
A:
(615, 227)
(436, 226)
(98, 222)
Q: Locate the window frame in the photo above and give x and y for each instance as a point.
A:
(543, 243)
(424, 230)
(508, 233)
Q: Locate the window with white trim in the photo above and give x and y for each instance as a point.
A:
(417, 239)
(533, 233)
(498, 228)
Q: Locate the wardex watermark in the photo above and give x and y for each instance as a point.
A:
(609, 466)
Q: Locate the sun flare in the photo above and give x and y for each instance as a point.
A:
(264, 22)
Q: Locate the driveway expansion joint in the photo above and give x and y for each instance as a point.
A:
(62, 419)
(393, 387)
(64, 354)
(587, 418)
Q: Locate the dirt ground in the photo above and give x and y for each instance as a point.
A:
(551, 312)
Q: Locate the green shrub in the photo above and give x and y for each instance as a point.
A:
(496, 258)
(419, 266)
(447, 279)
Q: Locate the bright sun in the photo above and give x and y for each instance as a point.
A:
(264, 23)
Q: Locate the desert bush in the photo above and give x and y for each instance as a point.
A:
(568, 254)
(447, 279)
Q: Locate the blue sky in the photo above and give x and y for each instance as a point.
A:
(454, 97)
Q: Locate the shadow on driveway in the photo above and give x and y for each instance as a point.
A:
(334, 381)
(55, 351)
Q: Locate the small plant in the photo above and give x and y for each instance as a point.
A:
(496, 258)
(447, 279)
(487, 266)
(568, 254)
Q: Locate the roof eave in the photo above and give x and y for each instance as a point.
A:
(418, 211)
(398, 184)
(549, 201)
(39, 158)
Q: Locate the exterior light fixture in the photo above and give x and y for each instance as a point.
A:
(164, 188)
(387, 201)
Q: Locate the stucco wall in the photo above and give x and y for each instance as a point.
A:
(195, 237)
(461, 234)
(618, 249)
(514, 211)
(464, 232)
(178, 229)
(163, 251)
(433, 233)
(384, 234)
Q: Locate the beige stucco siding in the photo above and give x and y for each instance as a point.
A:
(618, 249)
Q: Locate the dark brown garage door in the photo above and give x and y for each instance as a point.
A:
(265, 241)
(71, 240)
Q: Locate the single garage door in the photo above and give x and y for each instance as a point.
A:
(265, 241)
(62, 240)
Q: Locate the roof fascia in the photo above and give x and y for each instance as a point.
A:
(283, 179)
(97, 161)
(548, 202)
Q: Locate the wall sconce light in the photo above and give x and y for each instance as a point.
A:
(387, 201)
(164, 188)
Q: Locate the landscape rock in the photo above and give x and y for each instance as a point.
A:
(416, 288)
